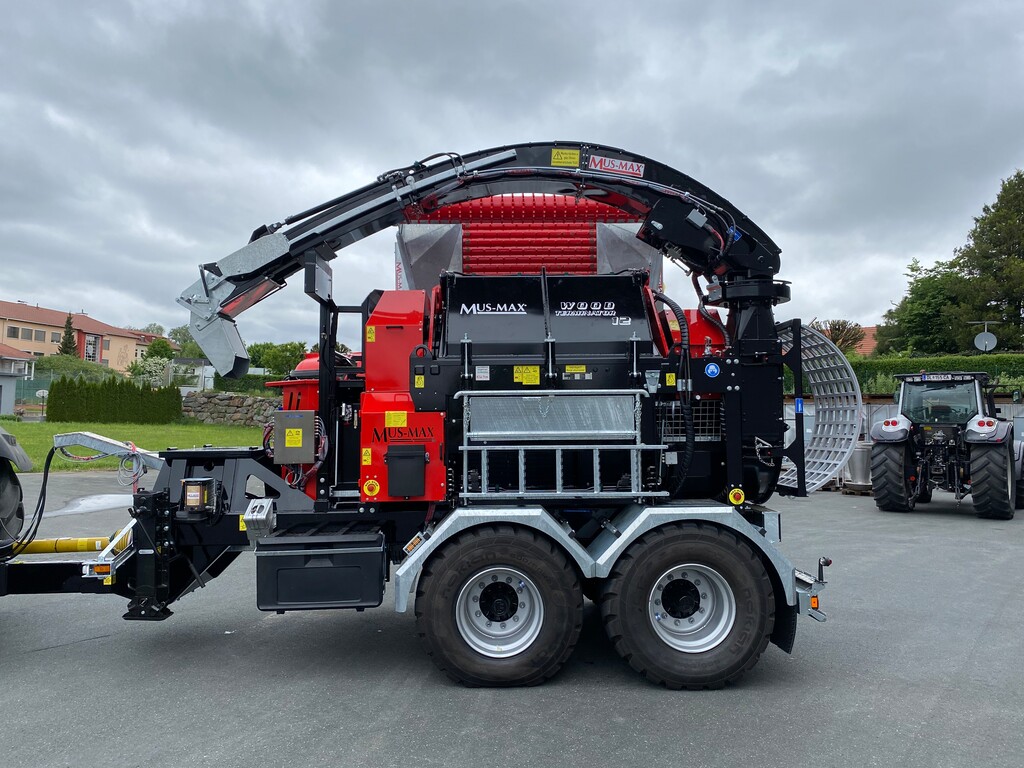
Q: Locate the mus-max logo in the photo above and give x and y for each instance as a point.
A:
(493, 309)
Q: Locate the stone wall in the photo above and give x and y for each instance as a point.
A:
(229, 408)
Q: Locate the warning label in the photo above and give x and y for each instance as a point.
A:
(293, 438)
(419, 382)
(371, 333)
(565, 158)
(526, 374)
(396, 419)
(367, 457)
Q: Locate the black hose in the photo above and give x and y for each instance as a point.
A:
(29, 534)
(682, 468)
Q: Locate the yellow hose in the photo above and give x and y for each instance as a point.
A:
(65, 544)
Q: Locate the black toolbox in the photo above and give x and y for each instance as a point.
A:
(310, 568)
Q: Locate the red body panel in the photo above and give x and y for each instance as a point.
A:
(704, 335)
(395, 328)
(389, 419)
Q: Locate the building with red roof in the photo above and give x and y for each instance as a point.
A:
(37, 331)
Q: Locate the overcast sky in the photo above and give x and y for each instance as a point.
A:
(140, 139)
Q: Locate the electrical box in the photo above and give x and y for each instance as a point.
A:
(294, 437)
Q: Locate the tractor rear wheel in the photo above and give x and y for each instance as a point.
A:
(499, 606)
(689, 606)
(993, 485)
(892, 466)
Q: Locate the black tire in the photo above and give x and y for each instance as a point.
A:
(892, 465)
(1019, 502)
(993, 485)
(698, 563)
(517, 574)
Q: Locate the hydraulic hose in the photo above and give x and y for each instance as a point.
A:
(682, 468)
(28, 535)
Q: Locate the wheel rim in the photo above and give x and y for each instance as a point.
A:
(691, 608)
(499, 612)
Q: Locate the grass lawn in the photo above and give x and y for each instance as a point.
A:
(37, 439)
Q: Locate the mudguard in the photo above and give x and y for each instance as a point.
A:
(897, 434)
(1002, 433)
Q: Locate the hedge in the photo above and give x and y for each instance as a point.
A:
(250, 382)
(875, 374)
(111, 402)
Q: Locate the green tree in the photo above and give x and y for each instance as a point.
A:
(159, 348)
(282, 358)
(182, 336)
(991, 266)
(983, 281)
(69, 340)
(257, 351)
(153, 328)
(925, 320)
(845, 334)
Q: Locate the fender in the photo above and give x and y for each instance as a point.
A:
(597, 560)
(891, 434)
(1001, 433)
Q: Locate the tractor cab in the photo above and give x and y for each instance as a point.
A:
(941, 398)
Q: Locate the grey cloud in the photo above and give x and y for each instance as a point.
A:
(142, 139)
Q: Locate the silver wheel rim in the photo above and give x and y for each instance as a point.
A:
(499, 612)
(691, 608)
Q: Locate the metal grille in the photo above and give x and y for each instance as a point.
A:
(837, 408)
(707, 422)
(551, 417)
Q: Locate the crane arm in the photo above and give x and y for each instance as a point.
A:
(687, 221)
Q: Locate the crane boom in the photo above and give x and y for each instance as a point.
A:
(687, 221)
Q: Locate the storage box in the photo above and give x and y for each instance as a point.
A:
(303, 571)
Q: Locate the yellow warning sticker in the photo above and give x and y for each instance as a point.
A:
(293, 438)
(396, 419)
(419, 382)
(241, 523)
(673, 324)
(367, 457)
(670, 379)
(526, 374)
(575, 369)
(107, 581)
(565, 158)
(371, 488)
(371, 333)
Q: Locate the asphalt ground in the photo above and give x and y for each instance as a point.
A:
(919, 664)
